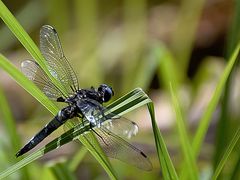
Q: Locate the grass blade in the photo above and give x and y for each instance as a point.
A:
(206, 118)
(10, 125)
(225, 156)
(189, 15)
(62, 172)
(225, 120)
(168, 169)
(75, 161)
(185, 144)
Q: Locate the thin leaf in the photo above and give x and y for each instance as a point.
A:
(206, 118)
(167, 71)
(8, 120)
(62, 172)
(227, 153)
(225, 120)
(185, 144)
(168, 169)
(188, 20)
(77, 158)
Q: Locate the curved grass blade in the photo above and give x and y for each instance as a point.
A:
(77, 158)
(62, 172)
(206, 118)
(185, 144)
(168, 169)
(8, 120)
(224, 159)
(11, 130)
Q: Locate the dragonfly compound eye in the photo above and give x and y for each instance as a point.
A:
(106, 92)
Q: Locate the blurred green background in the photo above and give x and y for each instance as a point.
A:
(129, 44)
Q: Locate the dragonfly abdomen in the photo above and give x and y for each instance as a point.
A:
(62, 116)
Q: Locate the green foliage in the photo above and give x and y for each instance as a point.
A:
(185, 144)
(139, 64)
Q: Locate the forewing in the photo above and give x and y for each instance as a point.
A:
(35, 73)
(57, 63)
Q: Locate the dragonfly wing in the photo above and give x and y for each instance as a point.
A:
(34, 72)
(117, 148)
(121, 126)
(57, 63)
(113, 145)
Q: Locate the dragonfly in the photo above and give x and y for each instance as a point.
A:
(110, 129)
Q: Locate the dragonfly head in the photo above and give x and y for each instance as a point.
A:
(105, 92)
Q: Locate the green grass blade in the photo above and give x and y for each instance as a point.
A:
(77, 158)
(66, 137)
(167, 70)
(188, 20)
(206, 118)
(10, 125)
(235, 171)
(62, 172)
(225, 120)
(168, 169)
(225, 156)
(11, 130)
(185, 144)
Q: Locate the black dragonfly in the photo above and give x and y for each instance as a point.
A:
(83, 103)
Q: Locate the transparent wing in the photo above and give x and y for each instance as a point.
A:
(57, 63)
(117, 148)
(108, 128)
(33, 71)
(121, 126)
